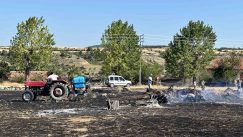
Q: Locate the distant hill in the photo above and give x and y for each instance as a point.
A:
(155, 46)
(144, 46)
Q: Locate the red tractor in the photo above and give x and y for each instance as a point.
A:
(57, 89)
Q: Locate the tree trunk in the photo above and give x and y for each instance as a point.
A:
(27, 67)
(184, 81)
(27, 74)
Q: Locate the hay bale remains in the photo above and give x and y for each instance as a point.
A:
(112, 104)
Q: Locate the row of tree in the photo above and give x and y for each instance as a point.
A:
(187, 54)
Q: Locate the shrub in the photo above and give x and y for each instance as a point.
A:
(4, 70)
(205, 75)
(36, 78)
(18, 79)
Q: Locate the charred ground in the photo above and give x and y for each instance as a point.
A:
(91, 118)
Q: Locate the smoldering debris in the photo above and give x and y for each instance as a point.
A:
(206, 96)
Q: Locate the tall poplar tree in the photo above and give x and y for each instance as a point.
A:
(121, 50)
(31, 47)
(190, 51)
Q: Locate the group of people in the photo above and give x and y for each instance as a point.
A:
(150, 81)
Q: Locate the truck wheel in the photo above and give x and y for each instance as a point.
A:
(28, 96)
(128, 85)
(58, 91)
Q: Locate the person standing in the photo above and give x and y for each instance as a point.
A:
(52, 76)
(157, 80)
(203, 85)
(194, 84)
(239, 90)
(150, 81)
(239, 84)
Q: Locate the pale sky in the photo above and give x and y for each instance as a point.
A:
(80, 23)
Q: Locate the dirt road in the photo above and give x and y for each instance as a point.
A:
(90, 117)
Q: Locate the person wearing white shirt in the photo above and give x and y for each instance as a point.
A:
(52, 76)
(150, 81)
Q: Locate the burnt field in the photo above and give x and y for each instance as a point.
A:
(90, 117)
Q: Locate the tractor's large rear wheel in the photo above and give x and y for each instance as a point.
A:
(28, 96)
(58, 91)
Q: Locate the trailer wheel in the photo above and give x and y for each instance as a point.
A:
(58, 91)
(28, 96)
(71, 96)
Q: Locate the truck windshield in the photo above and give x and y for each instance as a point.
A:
(121, 79)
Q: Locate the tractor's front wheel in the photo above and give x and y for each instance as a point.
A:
(28, 96)
(58, 91)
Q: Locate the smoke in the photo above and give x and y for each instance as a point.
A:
(228, 96)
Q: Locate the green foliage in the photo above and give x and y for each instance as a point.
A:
(93, 56)
(228, 67)
(72, 71)
(4, 53)
(204, 75)
(65, 53)
(4, 69)
(89, 49)
(121, 50)
(190, 51)
(162, 54)
(54, 67)
(31, 47)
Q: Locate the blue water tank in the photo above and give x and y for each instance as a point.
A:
(79, 82)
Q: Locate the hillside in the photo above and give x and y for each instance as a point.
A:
(76, 56)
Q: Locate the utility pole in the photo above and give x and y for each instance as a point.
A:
(141, 40)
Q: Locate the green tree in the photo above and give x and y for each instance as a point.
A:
(190, 51)
(98, 54)
(121, 50)
(4, 70)
(228, 67)
(94, 56)
(31, 47)
(64, 53)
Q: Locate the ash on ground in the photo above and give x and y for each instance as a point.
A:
(185, 112)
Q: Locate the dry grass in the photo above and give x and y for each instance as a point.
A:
(161, 87)
(81, 119)
(80, 129)
(7, 83)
